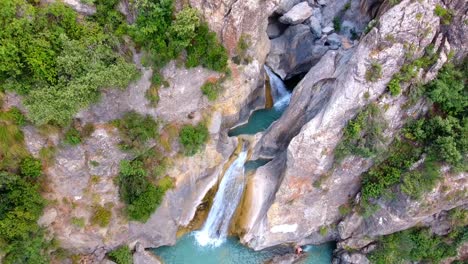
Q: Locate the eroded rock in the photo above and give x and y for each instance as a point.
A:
(298, 14)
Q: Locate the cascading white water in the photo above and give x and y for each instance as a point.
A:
(280, 94)
(215, 229)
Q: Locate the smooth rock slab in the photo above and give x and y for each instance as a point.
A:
(298, 14)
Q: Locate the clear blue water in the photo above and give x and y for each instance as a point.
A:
(254, 164)
(260, 120)
(232, 252)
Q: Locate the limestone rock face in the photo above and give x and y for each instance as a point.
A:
(298, 14)
(313, 124)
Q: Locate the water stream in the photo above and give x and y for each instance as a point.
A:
(210, 245)
(260, 120)
(216, 227)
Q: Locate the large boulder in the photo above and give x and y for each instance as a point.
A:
(286, 5)
(294, 52)
(298, 14)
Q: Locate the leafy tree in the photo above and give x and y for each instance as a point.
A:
(193, 138)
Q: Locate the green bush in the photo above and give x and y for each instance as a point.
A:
(363, 136)
(206, 50)
(444, 14)
(416, 245)
(394, 87)
(121, 255)
(193, 138)
(20, 207)
(140, 195)
(136, 129)
(31, 167)
(374, 72)
(72, 137)
(101, 216)
(211, 90)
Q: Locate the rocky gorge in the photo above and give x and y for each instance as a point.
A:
(338, 58)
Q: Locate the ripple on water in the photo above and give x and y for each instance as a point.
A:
(230, 251)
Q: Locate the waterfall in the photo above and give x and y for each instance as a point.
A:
(280, 94)
(227, 198)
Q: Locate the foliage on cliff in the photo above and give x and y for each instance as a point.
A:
(56, 60)
(418, 245)
(166, 37)
(440, 135)
(21, 205)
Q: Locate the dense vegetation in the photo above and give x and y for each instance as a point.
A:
(56, 60)
(21, 205)
(419, 244)
(440, 136)
(137, 191)
(136, 177)
(165, 36)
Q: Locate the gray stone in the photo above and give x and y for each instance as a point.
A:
(273, 30)
(334, 41)
(327, 30)
(141, 256)
(294, 52)
(286, 5)
(322, 2)
(298, 14)
(315, 27)
(48, 217)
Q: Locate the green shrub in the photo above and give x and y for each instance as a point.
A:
(445, 15)
(323, 230)
(16, 116)
(31, 167)
(193, 138)
(374, 72)
(72, 137)
(344, 209)
(206, 50)
(136, 129)
(337, 24)
(152, 95)
(78, 221)
(241, 50)
(121, 255)
(394, 87)
(140, 195)
(101, 216)
(211, 90)
(363, 135)
(448, 90)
